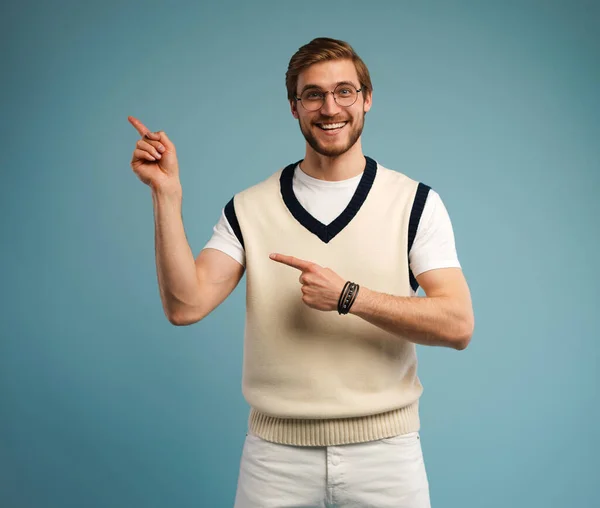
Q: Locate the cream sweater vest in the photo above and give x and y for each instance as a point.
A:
(317, 378)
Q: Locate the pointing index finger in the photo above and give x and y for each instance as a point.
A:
(139, 126)
(300, 264)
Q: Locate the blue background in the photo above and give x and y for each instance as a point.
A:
(103, 403)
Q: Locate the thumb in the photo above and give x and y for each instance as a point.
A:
(164, 139)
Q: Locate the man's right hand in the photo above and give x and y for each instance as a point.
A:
(154, 159)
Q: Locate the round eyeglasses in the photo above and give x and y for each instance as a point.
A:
(344, 95)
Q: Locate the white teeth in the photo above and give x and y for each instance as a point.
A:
(332, 125)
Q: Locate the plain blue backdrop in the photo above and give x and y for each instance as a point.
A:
(103, 403)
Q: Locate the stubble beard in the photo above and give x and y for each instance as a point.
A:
(335, 150)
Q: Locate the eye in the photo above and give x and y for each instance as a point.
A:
(312, 95)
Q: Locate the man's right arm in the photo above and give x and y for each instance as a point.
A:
(189, 289)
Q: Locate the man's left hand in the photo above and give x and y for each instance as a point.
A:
(321, 287)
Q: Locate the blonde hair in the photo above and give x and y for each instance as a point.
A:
(323, 49)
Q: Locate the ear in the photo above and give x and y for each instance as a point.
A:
(294, 108)
(368, 101)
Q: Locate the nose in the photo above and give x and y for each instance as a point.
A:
(330, 107)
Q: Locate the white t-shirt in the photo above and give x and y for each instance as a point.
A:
(433, 247)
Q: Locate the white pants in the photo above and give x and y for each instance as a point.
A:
(384, 473)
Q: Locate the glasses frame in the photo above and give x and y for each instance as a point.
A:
(332, 92)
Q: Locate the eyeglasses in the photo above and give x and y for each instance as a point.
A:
(344, 95)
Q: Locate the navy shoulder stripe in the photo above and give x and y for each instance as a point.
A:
(413, 224)
(233, 221)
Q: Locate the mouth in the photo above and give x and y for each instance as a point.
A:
(331, 128)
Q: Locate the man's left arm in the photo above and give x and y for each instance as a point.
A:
(443, 318)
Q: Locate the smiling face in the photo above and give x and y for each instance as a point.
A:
(333, 129)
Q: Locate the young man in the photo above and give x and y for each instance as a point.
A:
(335, 247)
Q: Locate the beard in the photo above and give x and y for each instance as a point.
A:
(334, 150)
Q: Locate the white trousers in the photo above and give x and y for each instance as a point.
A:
(379, 474)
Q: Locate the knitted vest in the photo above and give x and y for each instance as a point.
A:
(315, 378)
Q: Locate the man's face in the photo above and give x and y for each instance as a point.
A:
(326, 76)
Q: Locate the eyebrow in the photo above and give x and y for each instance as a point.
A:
(306, 87)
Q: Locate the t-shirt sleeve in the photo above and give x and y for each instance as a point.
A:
(434, 245)
(225, 240)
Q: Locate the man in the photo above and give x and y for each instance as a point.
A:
(335, 248)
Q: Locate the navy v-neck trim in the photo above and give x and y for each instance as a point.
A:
(326, 232)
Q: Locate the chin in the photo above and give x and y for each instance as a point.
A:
(332, 149)
(335, 148)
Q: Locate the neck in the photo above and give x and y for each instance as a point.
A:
(332, 169)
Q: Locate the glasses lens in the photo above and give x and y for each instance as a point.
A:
(312, 99)
(345, 95)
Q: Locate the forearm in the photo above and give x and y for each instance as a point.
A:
(175, 265)
(430, 321)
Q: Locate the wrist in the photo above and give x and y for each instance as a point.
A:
(348, 297)
(360, 303)
(171, 194)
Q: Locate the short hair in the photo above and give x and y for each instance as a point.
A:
(323, 49)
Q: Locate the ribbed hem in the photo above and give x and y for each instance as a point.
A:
(337, 431)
